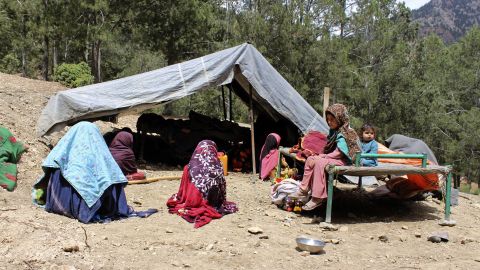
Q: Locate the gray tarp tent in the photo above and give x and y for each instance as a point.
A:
(242, 63)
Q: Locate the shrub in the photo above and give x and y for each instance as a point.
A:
(465, 188)
(10, 63)
(73, 75)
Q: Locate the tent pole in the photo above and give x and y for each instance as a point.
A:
(230, 116)
(326, 99)
(252, 133)
(224, 108)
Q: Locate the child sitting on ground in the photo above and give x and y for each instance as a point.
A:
(369, 145)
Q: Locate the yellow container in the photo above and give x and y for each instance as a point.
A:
(224, 160)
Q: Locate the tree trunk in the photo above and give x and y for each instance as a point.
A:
(87, 45)
(24, 47)
(55, 56)
(99, 61)
(24, 63)
(93, 61)
(46, 48)
(96, 61)
(46, 45)
(86, 53)
(342, 19)
(65, 54)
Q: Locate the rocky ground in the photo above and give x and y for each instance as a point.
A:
(373, 234)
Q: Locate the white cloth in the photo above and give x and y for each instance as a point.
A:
(281, 190)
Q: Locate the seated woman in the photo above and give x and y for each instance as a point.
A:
(82, 180)
(343, 143)
(269, 157)
(201, 196)
(121, 148)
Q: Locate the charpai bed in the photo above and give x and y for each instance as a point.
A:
(382, 169)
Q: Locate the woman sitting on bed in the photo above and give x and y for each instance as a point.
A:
(343, 143)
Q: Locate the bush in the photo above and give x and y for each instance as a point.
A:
(10, 63)
(73, 75)
(465, 188)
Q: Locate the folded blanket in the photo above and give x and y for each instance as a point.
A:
(312, 144)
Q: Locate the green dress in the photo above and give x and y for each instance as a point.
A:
(10, 152)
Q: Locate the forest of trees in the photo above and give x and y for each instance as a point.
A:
(367, 51)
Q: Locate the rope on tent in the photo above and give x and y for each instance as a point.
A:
(183, 80)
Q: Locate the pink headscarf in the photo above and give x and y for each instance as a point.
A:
(269, 155)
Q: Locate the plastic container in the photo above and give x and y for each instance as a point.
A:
(298, 206)
(224, 160)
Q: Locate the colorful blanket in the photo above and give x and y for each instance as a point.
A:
(10, 153)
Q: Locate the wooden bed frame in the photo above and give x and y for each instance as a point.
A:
(382, 169)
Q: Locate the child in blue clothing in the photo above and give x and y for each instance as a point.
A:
(369, 145)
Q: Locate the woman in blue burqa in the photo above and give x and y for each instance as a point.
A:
(82, 180)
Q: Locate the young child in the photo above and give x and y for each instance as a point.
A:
(369, 145)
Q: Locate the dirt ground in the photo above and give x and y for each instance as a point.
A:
(31, 238)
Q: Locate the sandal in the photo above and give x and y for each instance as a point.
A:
(310, 205)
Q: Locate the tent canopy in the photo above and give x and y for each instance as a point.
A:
(242, 64)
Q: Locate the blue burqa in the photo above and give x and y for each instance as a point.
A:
(82, 180)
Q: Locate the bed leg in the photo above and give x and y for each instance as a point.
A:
(448, 190)
(328, 217)
(279, 165)
(448, 196)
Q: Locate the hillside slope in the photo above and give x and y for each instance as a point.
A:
(450, 19)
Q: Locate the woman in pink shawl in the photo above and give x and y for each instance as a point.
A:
(121, 148)
(269, 155)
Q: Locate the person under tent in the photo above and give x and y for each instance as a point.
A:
(121, 148)
(269, 157)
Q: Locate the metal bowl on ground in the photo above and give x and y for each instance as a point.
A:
(310, 244)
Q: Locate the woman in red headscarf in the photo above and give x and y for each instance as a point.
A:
(201, 196)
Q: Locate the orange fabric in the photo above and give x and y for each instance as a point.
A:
(382, 149)
(421, 182)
